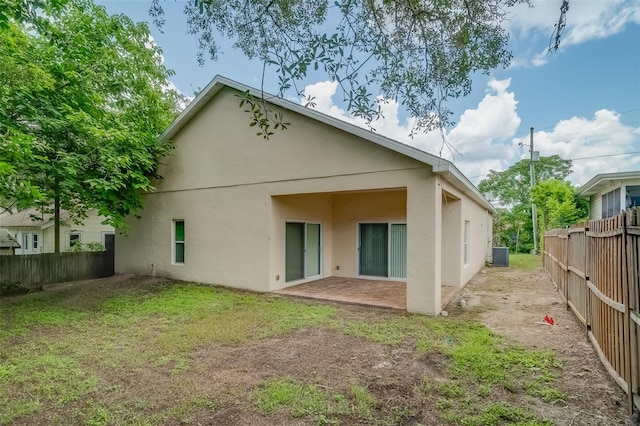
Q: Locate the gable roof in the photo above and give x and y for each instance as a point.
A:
(601, 181)
(30, 218)
(7, 241)
(440, 166)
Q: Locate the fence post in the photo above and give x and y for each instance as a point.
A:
(587, 251)
(627, 315)
(567, 272)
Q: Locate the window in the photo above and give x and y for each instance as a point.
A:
(611, 203)
(25, 243)
(34, 240)
(633, 196)
(74, 239)
(466, 242)
(383, 250)
(178, 241)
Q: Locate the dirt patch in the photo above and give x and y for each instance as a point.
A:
(513, 303)
(314, 355)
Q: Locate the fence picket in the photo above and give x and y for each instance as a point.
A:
(601, 285)
(35, 270)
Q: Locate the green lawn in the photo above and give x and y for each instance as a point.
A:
(525, 261)
(182, 353)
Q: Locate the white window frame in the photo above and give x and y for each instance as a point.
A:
(389, 223)
(608, 198)
(34, 242)
(71, 234)
(104, 239)
(175, 242)
(465, 242)
(25, 242)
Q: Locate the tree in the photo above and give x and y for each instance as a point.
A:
(557, 204)
(513, 186)
(418, 52)
(513, 228)
(80, 128)
(511, 190)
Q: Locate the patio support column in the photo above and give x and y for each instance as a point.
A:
(424, 229)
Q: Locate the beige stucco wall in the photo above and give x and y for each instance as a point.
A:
(451, 240)
(480, 235)
(235, 192)
(316, 208)
(353, 208)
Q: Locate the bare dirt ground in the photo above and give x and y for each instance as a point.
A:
(513, 302)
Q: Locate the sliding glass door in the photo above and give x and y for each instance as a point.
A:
(374, 249)
(383, 250)
(303, 250)
(398, 250)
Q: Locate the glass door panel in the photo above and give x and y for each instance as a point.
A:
(398, 255)
(312, 250)
(374, 248)
(294, 251)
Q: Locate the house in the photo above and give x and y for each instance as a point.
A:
(8, 244)
(323, 198)
(35, 231)
(610, 193)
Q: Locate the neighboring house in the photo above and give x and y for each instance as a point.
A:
(35, 232)
(610, 193)
(322, 198)
(8, 244)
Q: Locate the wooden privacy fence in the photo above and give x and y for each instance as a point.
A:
(35, 270)
(596, 267)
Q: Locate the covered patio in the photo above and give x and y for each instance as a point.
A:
(358, 291)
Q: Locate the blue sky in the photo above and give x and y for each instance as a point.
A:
(583, 101)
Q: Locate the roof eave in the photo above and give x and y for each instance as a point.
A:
(439, 165)
(448, 171)
(592, 187)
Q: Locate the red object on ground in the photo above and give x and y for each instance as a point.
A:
(548, 320)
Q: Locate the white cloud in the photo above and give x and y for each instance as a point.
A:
(481, 136)
(585, 20)
(485, 135)
(540, 59)
(185, 100)
(592, 144)
(600, 19)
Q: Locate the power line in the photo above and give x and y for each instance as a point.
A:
(567, 135)
(607, 155)
(526, 132)
(576, 159)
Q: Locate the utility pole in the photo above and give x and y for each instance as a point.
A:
(532, 172)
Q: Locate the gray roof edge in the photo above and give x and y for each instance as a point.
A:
(586, 189)
(24, 215)
(471, 189)
(438, 164)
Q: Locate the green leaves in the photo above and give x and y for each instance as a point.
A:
(82, 99)
(557, 204)
(262, 115)
(512, 186)
(418, 52)
(511, 189)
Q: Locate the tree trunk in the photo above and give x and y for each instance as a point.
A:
(56, 224)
